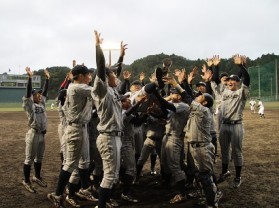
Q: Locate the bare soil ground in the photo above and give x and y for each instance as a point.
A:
(260, 172)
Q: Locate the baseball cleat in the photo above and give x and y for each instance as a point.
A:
(223, 177)
(237, 182)
(56, 200)
(86, 194)
(39, 181)
(129, 197)
(72, 201)
(29, 187)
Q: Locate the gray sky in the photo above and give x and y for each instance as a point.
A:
(46, 33)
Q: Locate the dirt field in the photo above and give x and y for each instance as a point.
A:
(260, 186)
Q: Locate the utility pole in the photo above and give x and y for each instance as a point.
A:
(276, 81)
(271, 86)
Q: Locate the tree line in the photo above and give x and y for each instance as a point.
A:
(149, 63)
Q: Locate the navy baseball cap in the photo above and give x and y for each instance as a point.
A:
(80, 69)
(35, 91)
(136, 82)
(209, 100)
(113, 68)
(200, 83)
(224, 74)
(234, 77)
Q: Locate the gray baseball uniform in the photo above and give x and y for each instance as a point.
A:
(231, 132)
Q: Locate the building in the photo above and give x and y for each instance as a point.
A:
(13, 87)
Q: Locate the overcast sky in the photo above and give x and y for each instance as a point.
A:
(46, 33)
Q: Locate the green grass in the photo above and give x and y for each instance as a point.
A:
(7, 107)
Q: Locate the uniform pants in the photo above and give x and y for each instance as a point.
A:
(147, 148)
(128, 161)
(203, 159)
(35, 147)
(171, 157)
(231, 135)
(109, 148)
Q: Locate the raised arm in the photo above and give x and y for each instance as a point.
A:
(29, 83)
(100, 58)
(45, 88)
(123, 48)
(216, 62)
(125, 86)
(241, 62)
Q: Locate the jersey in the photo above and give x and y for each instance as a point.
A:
(233, 103)
(78, 104)
(36, 113)
(199, 124)
(108, 105)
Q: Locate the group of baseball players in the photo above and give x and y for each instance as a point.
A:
(108, 129)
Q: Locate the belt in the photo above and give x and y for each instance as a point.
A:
(199, 144)
(77, 124)
(37, 131)
(232, 122)
(113, 133)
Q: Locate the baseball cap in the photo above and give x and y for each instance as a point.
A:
(80, 69)
(224, 74)
(113, 68)
(209, 100)
(200, 83)
(35, 91)
(234, 77)
(136, 82)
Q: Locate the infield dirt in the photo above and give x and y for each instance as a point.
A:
(260, 187)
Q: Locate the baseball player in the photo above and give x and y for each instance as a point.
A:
(197, 133)
(173, 142)
(77, 109)
(110, 127)
(34, 106)
(252, 103)
(128, 162)
(231, 133)
(261, 108)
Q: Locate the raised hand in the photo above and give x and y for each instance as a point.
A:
(216, 60)
(126, 75)
(98, 38)
(123, 48)
(238, 59)
(47, 74)
(28, 71)
(207, 75)
(209, 62)
(181, 76)
(170, 80)
(142, 76)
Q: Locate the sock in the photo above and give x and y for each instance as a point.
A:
(103, 197)
(73, 188)
(61, 157)
(83, 173)
(26, 173)
(224, 168)
(238, 171)
(127, 183)
(37, 167)
(153, 158)
(139, 169)
(181, 187)
(137, 156)
(63, 179)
